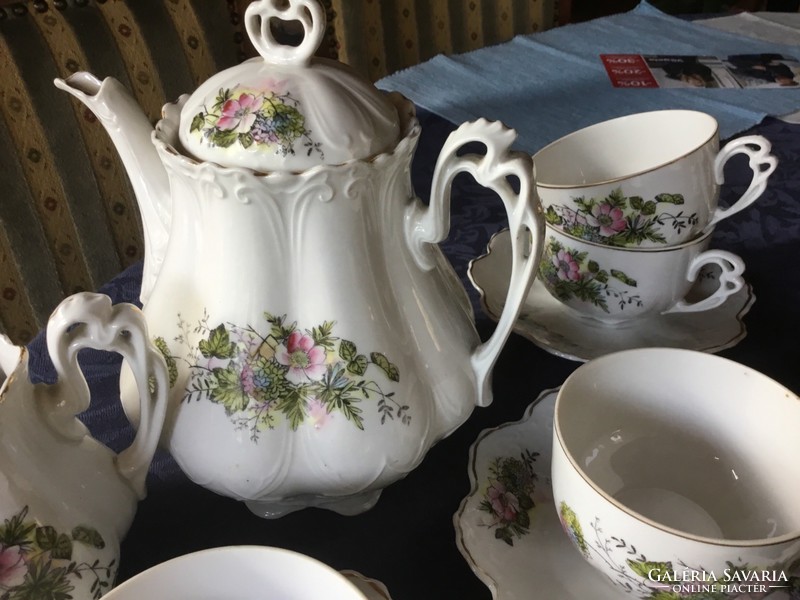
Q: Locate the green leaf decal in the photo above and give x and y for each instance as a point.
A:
(223, 138)
(649, 208)
(654, 571)
(63, 548)
(197, 122)
(16, 531)
(228, 390)
(381, 361)
(358, 366)
(89, 536)
(670, 198)
(636, 202)
(552, 217)
(46, 537)
(172, 367)
(623, 277)
(347, 350)
(218, 344)
(571, 522)
(592, 266)
(246, 140)
(293, 405)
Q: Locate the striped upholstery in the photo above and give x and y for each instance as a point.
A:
(378, 37)
(68, 220)
(67, 215)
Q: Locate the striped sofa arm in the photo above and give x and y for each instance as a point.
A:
(68, 219)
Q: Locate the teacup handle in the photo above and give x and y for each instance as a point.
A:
(88, 320)
(730, 280)
(526, 223)
(762, 163)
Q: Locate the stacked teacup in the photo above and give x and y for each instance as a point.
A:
(631, 204)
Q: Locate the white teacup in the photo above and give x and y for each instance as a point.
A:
(621, 284)
(238, 573)
(674, 469)
(645, 180)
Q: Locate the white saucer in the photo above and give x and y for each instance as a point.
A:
(554, 327)
(540, 563)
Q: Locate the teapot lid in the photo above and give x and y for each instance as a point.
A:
(287, 110)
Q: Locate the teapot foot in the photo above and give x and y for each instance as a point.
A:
(344, 505)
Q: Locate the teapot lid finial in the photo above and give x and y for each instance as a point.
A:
(258, 19)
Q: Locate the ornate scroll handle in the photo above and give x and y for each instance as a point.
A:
(730, 280)
(525, 218)
(309, 13)
(762, 163)
(88, 320)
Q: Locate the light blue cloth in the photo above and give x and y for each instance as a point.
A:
(549, 84)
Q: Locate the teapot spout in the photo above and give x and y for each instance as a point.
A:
(130, 131)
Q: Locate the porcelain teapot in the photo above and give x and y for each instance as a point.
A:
(318, 341)
(67, 500)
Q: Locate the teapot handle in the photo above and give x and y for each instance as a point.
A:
(525, 218)
(88, 320)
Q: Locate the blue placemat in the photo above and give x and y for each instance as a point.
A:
(548, 84)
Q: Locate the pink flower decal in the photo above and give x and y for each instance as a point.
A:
(12, 566)
(239, 114)
(567, 269)
(318, 413)
(609, 218)
(306, 361)
(504, 504)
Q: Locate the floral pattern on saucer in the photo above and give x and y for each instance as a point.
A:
(559, 330)
(544, 563)
(509, 495)
(541, 564)
(619, 220)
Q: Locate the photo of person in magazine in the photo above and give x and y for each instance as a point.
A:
(764, 70)
(689, 71)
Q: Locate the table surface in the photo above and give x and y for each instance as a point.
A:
(407, 540)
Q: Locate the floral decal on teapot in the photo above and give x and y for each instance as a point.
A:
(665, 580)
(508, 499)
(257, 119)
(36, 561)
(568, 274)
(305, 376)
(619, 220)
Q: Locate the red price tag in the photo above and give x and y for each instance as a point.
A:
(628, 71)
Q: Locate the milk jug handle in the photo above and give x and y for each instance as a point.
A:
(430, 225)
(88, 320)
